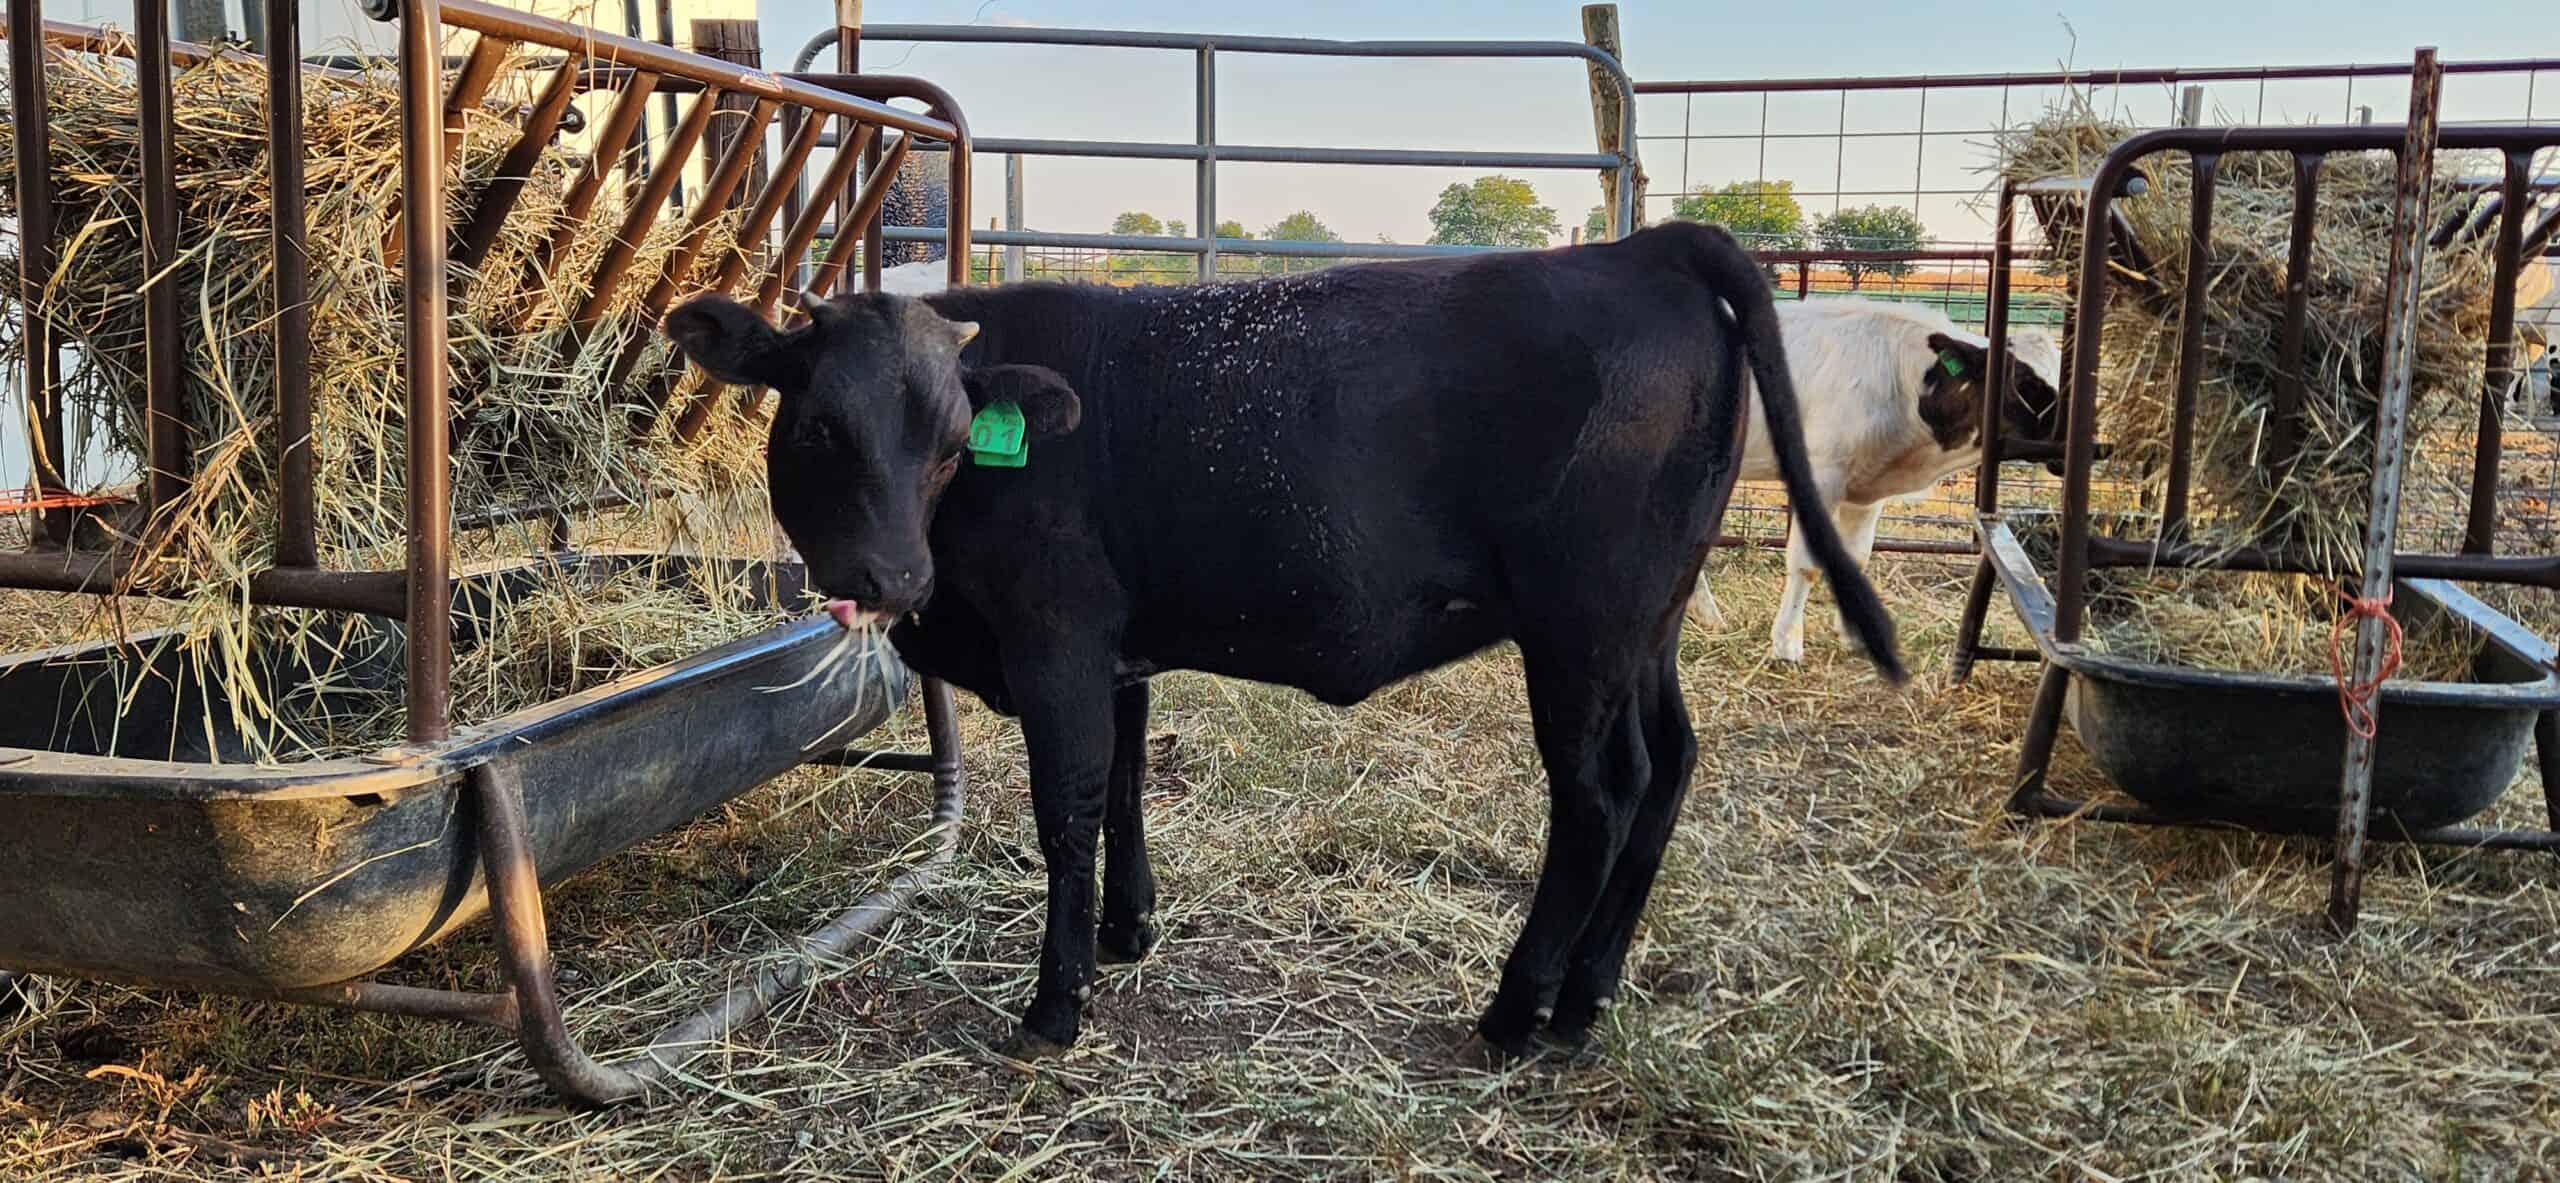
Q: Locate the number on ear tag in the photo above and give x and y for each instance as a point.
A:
(997, 438)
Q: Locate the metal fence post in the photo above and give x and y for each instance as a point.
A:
(1013, 255)
(1206, 208)
(2401, 295)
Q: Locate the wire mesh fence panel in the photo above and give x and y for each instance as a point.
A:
(1912, 164)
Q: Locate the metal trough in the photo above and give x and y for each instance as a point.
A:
(133, 857)
(136, 842)
(2257, 750)
(2260, 751)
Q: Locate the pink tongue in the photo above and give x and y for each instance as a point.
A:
(848, 614)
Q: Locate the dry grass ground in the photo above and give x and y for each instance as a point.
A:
(1854, 968)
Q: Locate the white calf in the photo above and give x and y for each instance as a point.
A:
(915, 279)
(1892, 401)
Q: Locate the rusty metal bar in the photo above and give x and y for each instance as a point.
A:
(430, 471)
(30, 122)
(297, 519)
(782, 186)
(524, 939)
(866, 207)
(2048, 805)
(848, 32)
(2403, 293)
(377, 593)
(796, 240)
(2191, 317)
(620, 126)
(480, 230)
(649, 57)
(795, 243)
(1986, 479)
(469, 84)
(2083, 79)
(488, 1010)
(725, 178)
(2531, 571)
(1995, 326)
(163, 366)
(957, 163)
(747, 144)
(781, 192)
(2284, 419)
(2080, 423)
(643, 214)
(2480, 532)
(2035, 750)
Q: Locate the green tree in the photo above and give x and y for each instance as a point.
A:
(1492, 211)
(1302, 226)
(1136, 222)
(1871, 228)
(1233, 229)
(1148, 267)
(1595, 225)
(1177, 228)
(1762, 214)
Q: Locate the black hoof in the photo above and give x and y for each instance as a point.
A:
(1026, 1047)
(1511, 1037)
(1483, 1055)
(1571, 1026)
(1123, 946)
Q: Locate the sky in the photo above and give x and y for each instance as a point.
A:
(1536, 106)
(1077, 93)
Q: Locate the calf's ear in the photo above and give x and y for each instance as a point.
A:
(729, 341)
(1954, 358)
(1049, 405)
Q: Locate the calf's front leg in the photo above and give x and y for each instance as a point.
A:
(1128, 878)
(1066, 704)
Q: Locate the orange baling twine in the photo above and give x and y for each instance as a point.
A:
(2355, 699)
(57, 501)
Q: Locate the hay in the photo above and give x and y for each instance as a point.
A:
(532, 418)
(2246, 621)
(1852, 968)
(2241, 496)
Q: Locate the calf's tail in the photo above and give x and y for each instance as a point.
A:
(1731, 274)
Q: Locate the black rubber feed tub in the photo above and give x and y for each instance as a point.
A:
(137, 850)
(2265, 751)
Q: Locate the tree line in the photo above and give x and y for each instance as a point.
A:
(1504, 211)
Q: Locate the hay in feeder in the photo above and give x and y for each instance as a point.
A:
(2242, 493)
(533, 419)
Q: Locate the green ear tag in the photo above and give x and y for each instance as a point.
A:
(997, 438)
(1951, 364)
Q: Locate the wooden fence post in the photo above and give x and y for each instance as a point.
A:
(737, 41)
(1600, 31)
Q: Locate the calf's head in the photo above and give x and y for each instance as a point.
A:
(871, 425)
(2030, 408)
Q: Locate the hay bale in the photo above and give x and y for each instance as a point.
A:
(532, 420)
(2240, 495)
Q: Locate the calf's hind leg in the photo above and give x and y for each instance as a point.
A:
(1591, 976)
(1590, 733)
(1128, 878)
(1857, 534)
